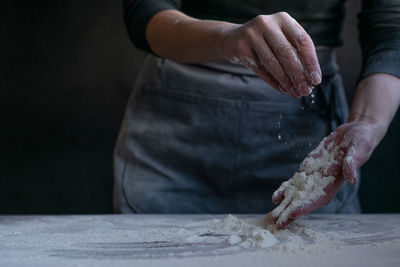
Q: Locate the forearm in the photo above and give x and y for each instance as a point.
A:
(171, 34)
(274, 46)
(376, 101)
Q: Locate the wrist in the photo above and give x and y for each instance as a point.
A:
(375, 103)
(376, 127)
(364, 117)
(224, 42)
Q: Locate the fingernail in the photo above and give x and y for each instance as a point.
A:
(315, 77)
(305, 88)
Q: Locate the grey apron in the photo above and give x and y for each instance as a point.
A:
(214, 138)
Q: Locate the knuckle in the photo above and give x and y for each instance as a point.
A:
(303, 40)
(260, 19)
(282, 77)
(286, 82)
(262, 22)
(296, 78)
(269, 62)
(283, 49)
(283, 15)
(299, 81)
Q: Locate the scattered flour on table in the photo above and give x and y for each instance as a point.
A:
(262, 233)
(244, 234)
(62, 239)
(308, 183)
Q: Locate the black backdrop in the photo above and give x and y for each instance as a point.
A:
(66, 69)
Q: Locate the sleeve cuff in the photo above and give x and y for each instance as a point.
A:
(137, 16)
(387, 61)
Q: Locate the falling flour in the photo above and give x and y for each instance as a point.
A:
(308, 183)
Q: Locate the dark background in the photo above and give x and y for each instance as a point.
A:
(66, 69)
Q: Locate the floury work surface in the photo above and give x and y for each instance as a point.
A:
(198, 240)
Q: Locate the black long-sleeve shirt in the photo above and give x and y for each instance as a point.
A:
(379, 23)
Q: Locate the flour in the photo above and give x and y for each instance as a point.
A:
(263, 233)
(250, 62)
(350, 153)
(235, 60)
(244, 234)
(308, 183)
(199, 240)
(299, 237)
(231, 231)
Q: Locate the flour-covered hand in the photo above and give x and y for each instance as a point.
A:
(321, 174)
(278, 50)
(357, 141)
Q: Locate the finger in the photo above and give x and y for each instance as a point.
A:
(304, 45)
(358, 152)
(354, 148)
(294, 92)
(278, 195)
(270, 63)
(285, 224)
(267, 77)
(284, 217)
(251, 62)
(290, 61)
(278, 211)
(283, 90)
(348, 167)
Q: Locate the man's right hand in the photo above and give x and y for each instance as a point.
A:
(274, 46)
(278, 50)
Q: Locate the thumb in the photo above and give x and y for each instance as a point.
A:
(356, 155)
(349, 168)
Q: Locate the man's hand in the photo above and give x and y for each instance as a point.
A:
(336, 160)
(274, 46)
(356, 140)
(278, 50)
